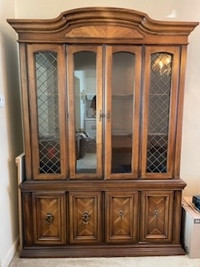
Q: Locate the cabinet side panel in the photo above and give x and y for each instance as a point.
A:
(177, 217)
(27, 219)
(180, 112)
(25, 108)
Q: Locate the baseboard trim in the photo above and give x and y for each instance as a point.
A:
(10, 254)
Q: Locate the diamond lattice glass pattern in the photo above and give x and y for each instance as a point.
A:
(47, 105)
(158, 120)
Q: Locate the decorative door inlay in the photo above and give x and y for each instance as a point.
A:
(121, 216)
(85, 217)
(156, 215)
(49, 218)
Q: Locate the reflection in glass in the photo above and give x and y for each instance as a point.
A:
(85, 111)
(122, 111)
(47, 108)
(159, 105)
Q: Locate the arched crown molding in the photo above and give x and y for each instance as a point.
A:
(99, 23)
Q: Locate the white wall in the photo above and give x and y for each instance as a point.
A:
(10, 134)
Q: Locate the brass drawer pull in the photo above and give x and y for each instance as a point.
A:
(121, 214)
(49, 218)
(156, 213)
(85, 217)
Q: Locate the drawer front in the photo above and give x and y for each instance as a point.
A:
(85, 217)
(49, 218)
(156, 221)
(121, 216)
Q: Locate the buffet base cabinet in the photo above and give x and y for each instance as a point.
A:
(101, 223)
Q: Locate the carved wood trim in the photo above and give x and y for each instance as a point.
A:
(97, 31)
(156, 218)
(99, 22)
(85, 217)
(49, 218)
(121, 216)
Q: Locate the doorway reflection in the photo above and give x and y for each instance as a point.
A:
(85, 111)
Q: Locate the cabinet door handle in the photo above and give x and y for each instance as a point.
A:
(49, 218)
(85, 217)
(101, 116)
(156, 213)
(108, 115)
(121, 214)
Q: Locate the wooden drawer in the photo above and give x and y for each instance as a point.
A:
(85, 217)
(121, 216)
(49, 218)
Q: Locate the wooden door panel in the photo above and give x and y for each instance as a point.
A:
(156, 218)
(159, 111)
(121, 217)
(122, 94)
(85, 217)
(47, 101)
(49, 218)
(89, 164)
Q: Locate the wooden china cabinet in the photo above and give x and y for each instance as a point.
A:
(102, 97)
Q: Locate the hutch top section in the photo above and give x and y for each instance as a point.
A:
(102, 25)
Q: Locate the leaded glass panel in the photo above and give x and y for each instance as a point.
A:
(159, 109)
(47, 108)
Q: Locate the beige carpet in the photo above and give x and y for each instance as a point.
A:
(175, 261)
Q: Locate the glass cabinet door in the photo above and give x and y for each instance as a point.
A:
(158, 138)
(123, 67)
(85, 107)
(47, 111)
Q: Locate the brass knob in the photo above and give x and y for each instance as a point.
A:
(121, 214)
(49, 218)
(156, 213)
(85, 217)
